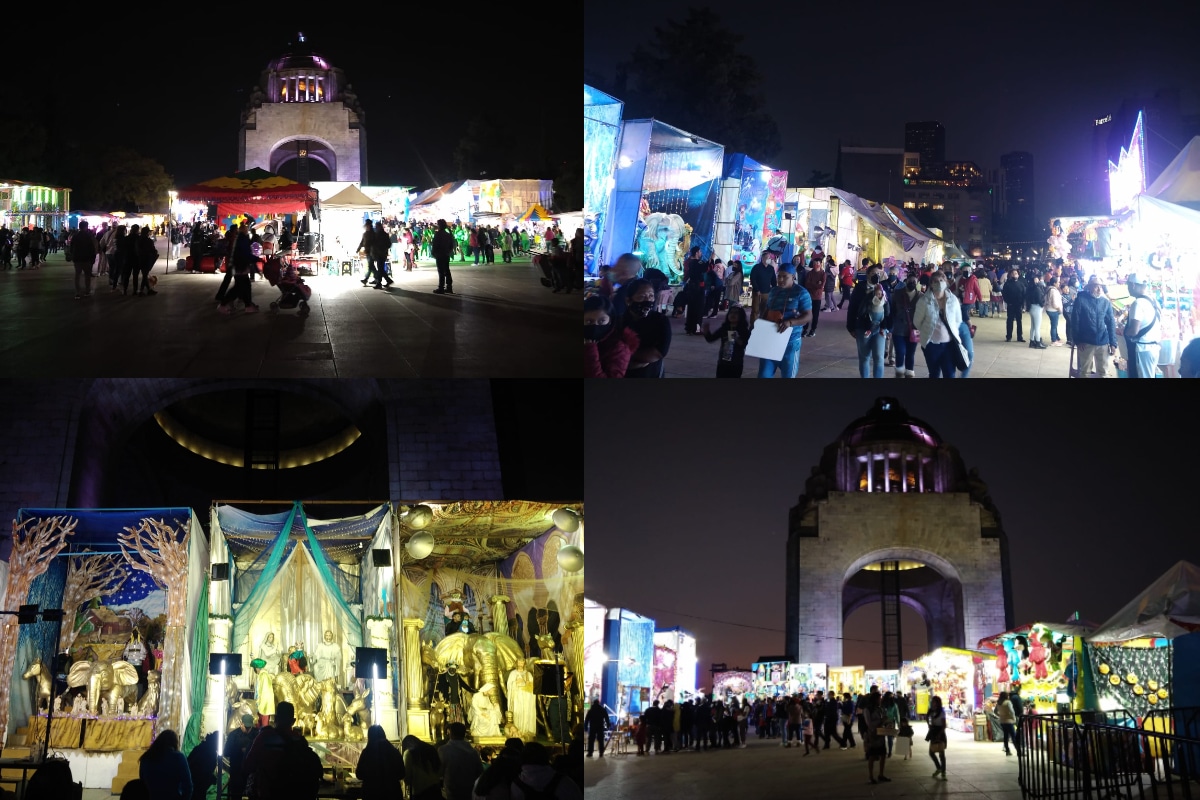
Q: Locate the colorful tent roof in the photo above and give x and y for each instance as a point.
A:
(256, 187)
(536, 214)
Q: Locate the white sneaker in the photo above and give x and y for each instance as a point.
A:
(908, 373)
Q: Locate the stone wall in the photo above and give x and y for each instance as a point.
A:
(273, 123)
(854, 529)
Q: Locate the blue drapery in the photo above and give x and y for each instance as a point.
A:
(253, 603)
(351, 624)
(39, 640)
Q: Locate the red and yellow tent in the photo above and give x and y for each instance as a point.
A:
(254, 192)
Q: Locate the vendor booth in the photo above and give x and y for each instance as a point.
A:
(601, 137)
(594, 656)
(1046, 661)
(131, 584)
(256, 193)
(848, 679)
(1131, 655)
(888, 680)
(808, 678)
(664, 197)
(628, 671)
(730, 684)
(674, 664)
(964, 679)
(750, 209)
(770, 678)
(453, 202)
(343, 217)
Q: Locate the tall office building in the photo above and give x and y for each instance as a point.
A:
(1019, 212)
(926, 138)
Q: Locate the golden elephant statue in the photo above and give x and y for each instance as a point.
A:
(489, 657)
(116, 680)
(300, 690)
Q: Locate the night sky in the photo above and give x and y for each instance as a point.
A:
(174, 90)
(688, 493)
(999, 77)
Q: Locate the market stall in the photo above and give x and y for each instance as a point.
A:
(594, 656)
(750, 208)
(343, 217)
(132, 585)
(674, 665)
(256, 193)
(964, 679)
(628, 671)
(770, 678)
(733, 684)
(1046, 661)
(601, 136)
(848, 679)
(664, 195)
(1131, 655)
(888, 680)
(453, 202)
(808, 678)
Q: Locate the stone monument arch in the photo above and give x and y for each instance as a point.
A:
(892, 515)
(304, 120)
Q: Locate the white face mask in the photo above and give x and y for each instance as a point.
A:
(939, 287)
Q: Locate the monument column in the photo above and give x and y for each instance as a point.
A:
(499, 606)
(414, 680)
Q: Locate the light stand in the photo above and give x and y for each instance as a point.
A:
(222, 665)
(371, 663)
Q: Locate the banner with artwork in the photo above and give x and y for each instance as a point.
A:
(773, 207)
(751, 209)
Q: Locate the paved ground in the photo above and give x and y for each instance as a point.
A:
(832, 353)
(974, 770)
(500, 323)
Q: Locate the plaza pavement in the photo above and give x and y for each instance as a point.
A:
(500, 323)
(832, 353)
(765, 771)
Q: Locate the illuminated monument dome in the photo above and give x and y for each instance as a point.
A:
(304, 121)
(892, 515)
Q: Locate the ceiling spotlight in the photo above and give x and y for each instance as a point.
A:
(418, 517)
(420, 545)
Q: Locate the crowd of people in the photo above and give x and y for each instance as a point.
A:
(893, 312)
(275, 762)
(881, 721)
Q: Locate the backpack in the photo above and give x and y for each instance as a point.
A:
(548, 793)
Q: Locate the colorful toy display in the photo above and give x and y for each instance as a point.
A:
(1043, 661)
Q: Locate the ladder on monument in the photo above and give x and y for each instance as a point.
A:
(889, 601)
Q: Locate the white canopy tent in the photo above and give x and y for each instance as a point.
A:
(342, 220)
(1168, 608)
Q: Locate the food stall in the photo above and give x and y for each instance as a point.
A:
(808, 678)
(964, 679)
(848, 679)
(1045, 660)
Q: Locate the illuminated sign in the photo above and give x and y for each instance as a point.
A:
(1127, 178)
(1103, 120)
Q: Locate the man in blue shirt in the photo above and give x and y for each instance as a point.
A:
(788, 305)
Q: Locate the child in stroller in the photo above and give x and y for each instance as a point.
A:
(281, 273)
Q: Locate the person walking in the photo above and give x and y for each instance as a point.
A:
(1013, 292)
(814, 282)
(789, 307)
(597, 725)
(442, 248)
(870, 319)
(937, 734)
(366, 247)
(1054, 309)
(938, 318)
(1008, 719)
(846, 278)
(875, 724)
(905, 335)
(83, 254)
(846, 717)
(147, 257)
(381, 244)
(1035, 303)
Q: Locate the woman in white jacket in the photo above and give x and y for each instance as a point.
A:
(938, 316)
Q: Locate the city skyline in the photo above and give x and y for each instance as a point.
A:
(991, 101)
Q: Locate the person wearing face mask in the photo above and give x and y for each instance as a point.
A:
(905, 335)
(1092, 328)
(1014, 300)
(607, 347)
(938, 317)
(871, 278)
(652, 328)
(873, 319)
(789, 306)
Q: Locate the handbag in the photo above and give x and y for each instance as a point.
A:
(886, 731)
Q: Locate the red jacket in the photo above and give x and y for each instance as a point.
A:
(609, 358)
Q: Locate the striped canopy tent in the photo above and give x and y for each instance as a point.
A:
(254, 192)
(536, 214)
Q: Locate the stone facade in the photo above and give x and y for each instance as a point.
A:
(334, 125)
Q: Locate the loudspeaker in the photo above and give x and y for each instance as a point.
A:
(27, 615)
(52, 615)
(220, 572)
(370, 662)
(381, 558)
(548, 680)
(233, 663)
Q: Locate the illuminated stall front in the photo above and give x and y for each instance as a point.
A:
(594, 656)
(601, 137)
(808, 678)
(750, 209)
(628, 670)
(963, 679)
(848, 679)
(131, 585)
(674, 665)
(493, 620)
(770, 678)
(886, 679)
(23, 204)
(664, 197)
(1046, 661)
(733, 684)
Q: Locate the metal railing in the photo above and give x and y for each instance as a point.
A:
(1101, 755)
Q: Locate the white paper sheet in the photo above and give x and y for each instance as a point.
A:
(767, 342)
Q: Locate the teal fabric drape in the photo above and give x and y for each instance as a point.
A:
(351, 624)
(192, 734)
(245, 615)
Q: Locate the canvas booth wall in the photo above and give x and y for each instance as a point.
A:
(513, 570)
(601, 137)
(750, 209)
(301, 594)
(664, 198)
(121, 577)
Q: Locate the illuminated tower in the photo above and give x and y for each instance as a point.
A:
(304, 121)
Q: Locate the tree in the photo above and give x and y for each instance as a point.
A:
(88, 578)
(692, 76)
(119, 176)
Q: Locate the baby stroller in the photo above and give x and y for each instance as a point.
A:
(293, 292)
